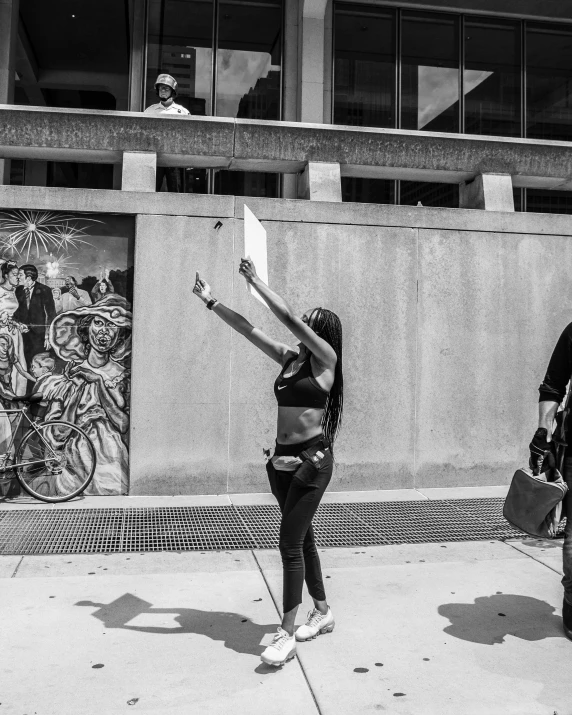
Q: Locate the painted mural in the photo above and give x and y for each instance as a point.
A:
(66, 291)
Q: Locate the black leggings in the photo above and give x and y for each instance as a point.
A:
(298, 503)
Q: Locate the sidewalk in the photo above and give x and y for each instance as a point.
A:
(438, 629)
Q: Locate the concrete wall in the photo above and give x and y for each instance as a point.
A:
(446, 335)
(449, 315)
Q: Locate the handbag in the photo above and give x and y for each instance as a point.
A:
(534, 501)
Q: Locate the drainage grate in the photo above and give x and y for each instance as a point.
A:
(82, 531)
(419, 522)
(489, 510)
(101, 530)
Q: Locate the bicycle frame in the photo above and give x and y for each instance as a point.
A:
(4, 466)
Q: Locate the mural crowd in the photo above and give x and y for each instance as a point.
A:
(66, 285)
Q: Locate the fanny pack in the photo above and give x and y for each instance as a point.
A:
(313, 455)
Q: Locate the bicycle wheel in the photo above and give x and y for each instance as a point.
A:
(57, 461)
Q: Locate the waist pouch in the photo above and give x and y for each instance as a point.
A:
(306, 464)
(285, 463)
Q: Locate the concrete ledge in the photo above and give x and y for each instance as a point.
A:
(126, 202)
(289, 210)
(284, 147)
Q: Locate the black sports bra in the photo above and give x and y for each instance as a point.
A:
(301, 389)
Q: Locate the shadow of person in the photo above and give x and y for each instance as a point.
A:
(491, 618)
(237, 632)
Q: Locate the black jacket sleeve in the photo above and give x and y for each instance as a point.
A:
(559, 371)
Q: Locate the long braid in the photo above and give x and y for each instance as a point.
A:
(328, 326)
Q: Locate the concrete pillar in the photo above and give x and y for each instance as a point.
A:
(490, 192)
(320, 182)
(311, 63)
(9, 14)
(139, 171)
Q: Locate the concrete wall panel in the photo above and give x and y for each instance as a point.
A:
(180, 365)
(491, 307)
(368, 276)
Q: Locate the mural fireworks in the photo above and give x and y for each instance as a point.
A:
(46, 231)
(57, 265)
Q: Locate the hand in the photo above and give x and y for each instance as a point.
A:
(23, 328)
(74, 292)
(541, 457)
(247, 270)
(202, 289)
(47, 344)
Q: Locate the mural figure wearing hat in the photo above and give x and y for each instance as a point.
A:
(93, 392)
(166, 89)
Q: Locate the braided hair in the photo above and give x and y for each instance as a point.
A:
(328, 326)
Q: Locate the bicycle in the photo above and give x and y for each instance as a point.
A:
(54, 461)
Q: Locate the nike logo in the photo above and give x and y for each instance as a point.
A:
(283, 386)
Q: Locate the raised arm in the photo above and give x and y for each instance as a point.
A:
(322, 351)
(275, 350)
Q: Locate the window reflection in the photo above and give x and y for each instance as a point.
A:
(430, 72)
(549, 82)
(492, 77)
(248, 59)
(364, 69)
(180, 44)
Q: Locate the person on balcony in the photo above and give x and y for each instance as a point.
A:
(166, 89)
(309, 392)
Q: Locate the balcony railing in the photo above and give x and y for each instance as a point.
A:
(136, 140)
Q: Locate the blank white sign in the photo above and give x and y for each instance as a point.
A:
(255, 248)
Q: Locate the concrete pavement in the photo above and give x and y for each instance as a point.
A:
(471, 628)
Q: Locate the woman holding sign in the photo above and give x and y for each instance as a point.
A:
(309, 391)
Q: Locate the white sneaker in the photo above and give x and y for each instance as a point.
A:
(281, 650)
(317, 623)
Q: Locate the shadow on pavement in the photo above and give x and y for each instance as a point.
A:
(491, 618)
(236, 631)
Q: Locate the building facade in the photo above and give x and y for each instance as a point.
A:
(412, 166)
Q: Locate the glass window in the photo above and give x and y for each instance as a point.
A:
(415, 193)
(492, 77)
(430, 72)
(364, 66)
(246, 183)
(518, 199)
(180, 44)
(544, 201)
(368, 191)
(548, 82)
(248, 78)
(74, 47)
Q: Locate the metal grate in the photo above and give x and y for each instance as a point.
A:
(101, 530)
(420, 522)
(489, 510)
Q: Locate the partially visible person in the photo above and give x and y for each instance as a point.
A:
(11, 327)
(75, 297)
(102, 288)
(57, 296)
(166, 89)
(47, 382)
(8, 362)
(552, 392)
(36, 310)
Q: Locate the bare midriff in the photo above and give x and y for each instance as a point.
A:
(298, 424)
